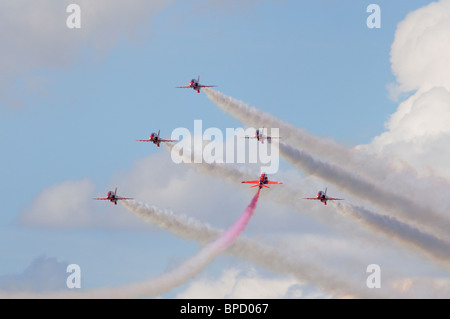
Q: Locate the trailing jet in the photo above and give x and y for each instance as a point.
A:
(195, 84)
(155, 139)
(262, 182)
(261, 137)
(322, 196)
(112, 197)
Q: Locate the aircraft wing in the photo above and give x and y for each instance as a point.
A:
(331, 198)
(272, 182)
(101, 198)
(315, 198)
(259, 185)
(270, 137)
(183, 87)
(251, 182)
(144, 140)
(168, 140)
(122, 198)
(248, 136)
(207, 86)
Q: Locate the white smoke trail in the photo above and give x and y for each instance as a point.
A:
(379, 171)
(251, 116)
(270, 258)
(253, 251)
(431, 246)
(167, 281)
(279, 262)
(409, 210)
(300, 138)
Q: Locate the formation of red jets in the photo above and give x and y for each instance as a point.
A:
(260, 137)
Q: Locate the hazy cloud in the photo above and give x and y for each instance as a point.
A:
(34, 35)
(65, 204)
(43, 274)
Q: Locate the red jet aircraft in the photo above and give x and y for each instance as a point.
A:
(261, 137)
(322, 196)
(195, 84)
(263, 180)
(112, 197)
(155, 139)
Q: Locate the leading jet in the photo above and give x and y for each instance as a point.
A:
(262, 182)
(195, 84)
(112, 197)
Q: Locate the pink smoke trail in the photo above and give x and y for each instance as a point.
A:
(228, 237)
(165, 282)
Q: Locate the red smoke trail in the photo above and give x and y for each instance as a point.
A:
(228, 236)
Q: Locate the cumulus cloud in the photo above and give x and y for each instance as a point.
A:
(419, 53)
(417, 131)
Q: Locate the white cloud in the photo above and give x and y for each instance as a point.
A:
(70, 204)
(155, 180)
(62, 205)
(243, 284)
(35, 35)
(419, 53)
(417, 132)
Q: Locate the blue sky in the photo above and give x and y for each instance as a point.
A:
(314, 64)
